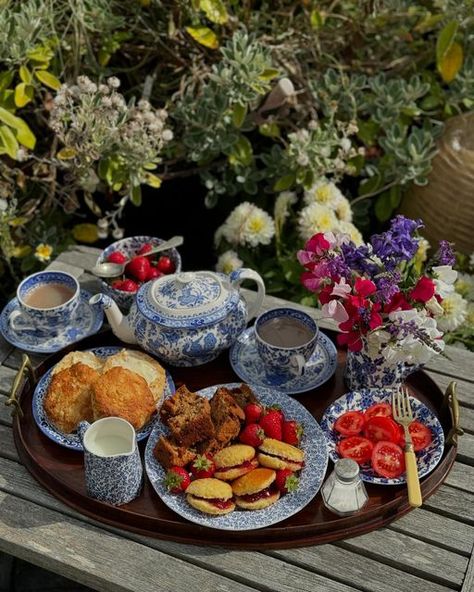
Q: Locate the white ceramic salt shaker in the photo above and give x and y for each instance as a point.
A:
(344, 492)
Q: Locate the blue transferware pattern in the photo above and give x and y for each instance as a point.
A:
(129, 247)
(186, 319)
(311, 477)
(114, 479)
(427, 459)
(284, 360)
(248, 365)
(72, 440)
(366, 371)
(86, 321)
(44, 321)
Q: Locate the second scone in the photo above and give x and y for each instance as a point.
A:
(122, 393)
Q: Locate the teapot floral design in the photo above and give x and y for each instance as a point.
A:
(186, 319)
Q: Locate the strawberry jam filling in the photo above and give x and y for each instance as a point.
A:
(218, 502)
(247, 464)
(263, 494)
(300, 463)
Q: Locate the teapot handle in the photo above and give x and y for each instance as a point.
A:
(238, 276)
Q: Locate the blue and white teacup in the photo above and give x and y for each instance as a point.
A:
(47, 302)
(286, 338)
(112, 463)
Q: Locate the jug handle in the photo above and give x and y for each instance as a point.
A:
(238, 276)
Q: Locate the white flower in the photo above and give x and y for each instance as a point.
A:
(434, 307)
(228, 262)
(167, 135)
(323, 192)
(455, 312)
(118, 233)
(346, 144)
(445, 276)
(376, 340)
(3, 204)
(249, 225)
(282, 205)
(349, 229)
(465, 285)
(316, 218)
(343, 210)
(113, 82)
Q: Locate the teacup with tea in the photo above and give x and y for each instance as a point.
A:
(47, 302)
(286, 338)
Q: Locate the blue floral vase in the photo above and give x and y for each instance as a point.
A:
(364, 370)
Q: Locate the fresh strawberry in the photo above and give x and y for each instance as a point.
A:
(277, 409)
(202, 466)
(144, 249)
(139, 268)
(116, 257)
(154, 273)
(125, 285)
(252, 435)
(292, 432)
(166, 265)
(286, 481)
(177, 479)
(253, 413)
(271, 424)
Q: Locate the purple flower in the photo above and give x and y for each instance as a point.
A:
(397, 244)
(358, 259)
(445, 254)
(387, 286)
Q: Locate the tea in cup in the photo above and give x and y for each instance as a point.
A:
(112, 461)
(286, 338)
(47, 301)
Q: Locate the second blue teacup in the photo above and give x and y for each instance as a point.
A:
(286, 338)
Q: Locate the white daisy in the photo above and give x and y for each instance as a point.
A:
(353, 232)
(316, 218)
(323, 192)
(343, 210)
(455, 312)
(465, 285)
(228, 262)
(248, 225)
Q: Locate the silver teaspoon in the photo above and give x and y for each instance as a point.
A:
(109, 270)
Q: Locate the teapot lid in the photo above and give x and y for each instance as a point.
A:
(188, 300)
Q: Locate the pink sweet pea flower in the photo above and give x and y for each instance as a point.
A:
(317, 244)
(341, 289)
(424, 290)
(364, 287)
(335, 310)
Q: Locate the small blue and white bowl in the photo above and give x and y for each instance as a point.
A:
(129, 247)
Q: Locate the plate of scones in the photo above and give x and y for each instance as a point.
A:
(100, 382)
(243, 492)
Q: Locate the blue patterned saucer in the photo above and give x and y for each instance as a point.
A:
(316, 458)
(427, 459)
(72, 441)
(87, 321)
(248, 365)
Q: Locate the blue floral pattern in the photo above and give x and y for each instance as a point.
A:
(361, 399)
(365, 371)
(311, 477)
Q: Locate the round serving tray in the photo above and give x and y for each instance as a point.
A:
(61, 470)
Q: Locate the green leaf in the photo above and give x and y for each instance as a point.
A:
(48, 79)
(395, 194)
(214, 10)
(9, 144)
(241, 152)
(368, 132)
(40, 54)
(136, 195)
(370, 185)
(204, 36)
(238, 114)
(103, 57)
(285, 182)
(316, 19)
(152, 180)
(150, 166)
(269, 130)
(25, 75)
(383, 207)
(445, 40)
(450, 64)
(6, 78)
(24, 93)
(269, 74)
(66, 153)
(21, 130)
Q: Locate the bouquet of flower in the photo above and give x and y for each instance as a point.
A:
(386, 299)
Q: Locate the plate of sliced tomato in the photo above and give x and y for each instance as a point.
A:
(359, 425)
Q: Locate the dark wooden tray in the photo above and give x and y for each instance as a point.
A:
(61, 470)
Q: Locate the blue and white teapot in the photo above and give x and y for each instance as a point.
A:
(186, 319)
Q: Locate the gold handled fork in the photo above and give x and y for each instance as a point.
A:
(403, 415)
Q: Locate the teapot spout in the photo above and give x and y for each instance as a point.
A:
(118, 322)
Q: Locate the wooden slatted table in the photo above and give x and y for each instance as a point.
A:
(430, 549)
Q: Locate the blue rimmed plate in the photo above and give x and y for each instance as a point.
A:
(87, 321)
(316, 458)
(248, 365)
(72, 440)
(427, 459)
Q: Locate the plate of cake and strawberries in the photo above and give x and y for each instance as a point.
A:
(235, 456)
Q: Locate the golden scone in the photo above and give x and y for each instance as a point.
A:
(74, 357)
(210, 496)
(142, 364)
(234, 461)
(254, 490)
(68, 399)
(279, 455)
(122, 393)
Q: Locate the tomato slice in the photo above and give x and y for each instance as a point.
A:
(388, 459)
(384, 409)
(350, 423)
(420, 435)
(379, 428)
(356, 448)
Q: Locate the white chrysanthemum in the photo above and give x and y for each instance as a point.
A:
(455, 312)
(351, 230)
(323, 192)
(316, 218)
(248, 225)
(282, 207)
(464, 285)
(343, 210)
(229, 262)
